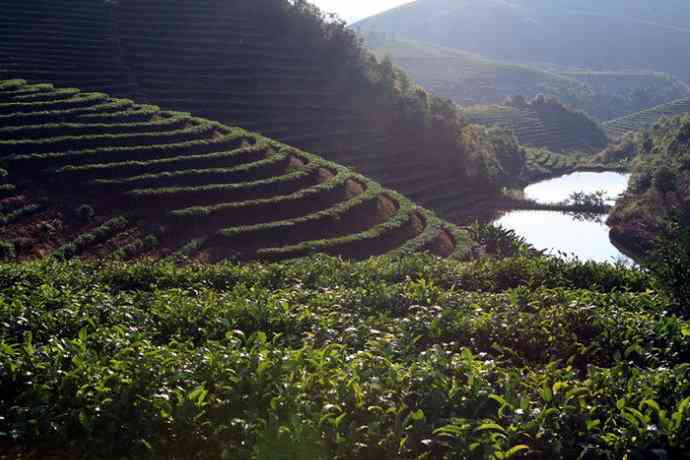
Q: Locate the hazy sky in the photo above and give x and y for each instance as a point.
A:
(357, 9)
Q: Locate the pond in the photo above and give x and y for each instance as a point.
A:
(567, 233)
(560, 188)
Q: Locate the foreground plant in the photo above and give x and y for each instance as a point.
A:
(395, 357)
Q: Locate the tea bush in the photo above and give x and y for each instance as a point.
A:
(7, 250)
(670, 261)
(393, 357)
(85, 213)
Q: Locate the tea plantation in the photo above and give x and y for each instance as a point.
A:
(176, 285)
(647, 118)
(548, 125)
(395, 357)
(92, 175)
(270, 66)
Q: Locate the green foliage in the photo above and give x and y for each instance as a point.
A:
(499, 241)
(470, 79)
(85, 213)
(541, 163)
(110, 110)
(646, 119)
(588, 200)
(543, 122)
(228, 139)
(504, 158)
(11, 217)
(136, 247)
(658, 187)
(83, 100)
(664, 179)
(670, 260)
(79, 142)
(239, 194)
(7, 190)
(7, 250)
(95, 236)
(394, 357)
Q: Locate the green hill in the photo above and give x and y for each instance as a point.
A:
(659, 186)
(96, 176)
(598, 35)
(271, 66)
(470, 79)
(543, 123)
(647, 118)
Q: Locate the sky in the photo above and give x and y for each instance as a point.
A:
(353, 10)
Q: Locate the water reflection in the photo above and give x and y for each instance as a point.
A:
(559, 189)
(580, 234)
(587, 217)
(558, 232)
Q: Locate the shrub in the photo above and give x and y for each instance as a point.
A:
(499, 241)
(664, 179)
(588, 200)
(46, 230)
(7, 250)
(670, 261)
(85, 213)
(392, 358)
(151, 241)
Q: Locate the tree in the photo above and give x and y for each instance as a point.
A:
(670, 261)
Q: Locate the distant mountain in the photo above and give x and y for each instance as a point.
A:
(470, 79)
(596, 34)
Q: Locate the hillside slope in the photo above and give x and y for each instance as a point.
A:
(470, 79)
(659, 186)
(91, 175)
(66, 43)
(646, 119)
(269, 66)
(542, 122)
(637, 35)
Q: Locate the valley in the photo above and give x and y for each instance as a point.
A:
(246, 230)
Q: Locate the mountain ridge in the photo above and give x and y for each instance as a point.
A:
(541, 31)
(469, 79)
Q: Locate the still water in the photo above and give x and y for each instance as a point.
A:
(560, 188)
(559, 232)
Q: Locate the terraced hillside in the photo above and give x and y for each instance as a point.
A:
(69, 43)
(471, 79)
(550, 126)
(268, 66)
(647, 118)
(93, 175)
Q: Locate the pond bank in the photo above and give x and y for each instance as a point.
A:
(546, 217)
